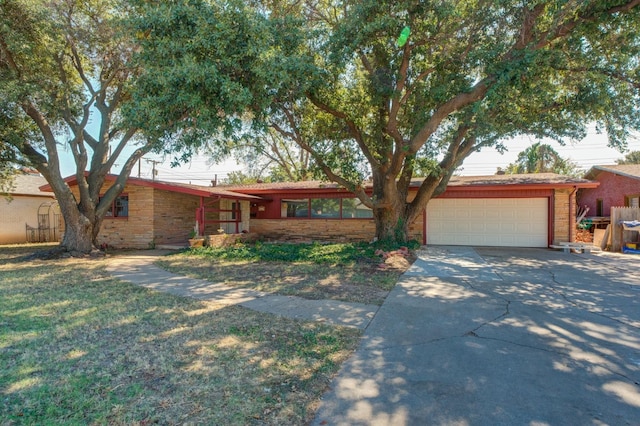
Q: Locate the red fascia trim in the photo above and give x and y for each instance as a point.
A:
(551, 220)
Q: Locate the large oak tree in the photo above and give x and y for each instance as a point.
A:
(472, 74)
(65, 64)
(367, 105)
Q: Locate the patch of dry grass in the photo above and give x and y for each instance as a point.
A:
(77, 347)
(351, 276)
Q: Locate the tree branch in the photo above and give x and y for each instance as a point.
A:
(353, 129)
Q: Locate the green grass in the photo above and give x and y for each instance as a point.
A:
(78, 347)
(333, 254)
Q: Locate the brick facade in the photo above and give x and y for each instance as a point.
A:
(136, 230)
(173, 216)
(612, 191)
(161, 213)
(333, 230)
(564, 215)
(159, 217)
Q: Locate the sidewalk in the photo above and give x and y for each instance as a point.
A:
(138, 268)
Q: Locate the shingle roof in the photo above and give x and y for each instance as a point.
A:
(197, 190)
(628, 170)
(494, 180)
(283, 186)
(516, 179)
(29, 184)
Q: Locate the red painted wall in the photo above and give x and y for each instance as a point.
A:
(612, 190)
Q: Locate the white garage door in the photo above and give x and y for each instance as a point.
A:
(500, 222)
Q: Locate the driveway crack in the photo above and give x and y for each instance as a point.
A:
(498, 318)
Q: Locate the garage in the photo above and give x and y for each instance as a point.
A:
(498, 222)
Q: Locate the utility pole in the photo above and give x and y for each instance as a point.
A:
(154, 171)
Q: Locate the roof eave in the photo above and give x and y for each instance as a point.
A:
(167, 186)
(615, 172)
(524, 186)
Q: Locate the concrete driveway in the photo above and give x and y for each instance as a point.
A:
(490, 336)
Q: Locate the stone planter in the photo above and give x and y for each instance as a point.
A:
(226, 240)
(196, 242)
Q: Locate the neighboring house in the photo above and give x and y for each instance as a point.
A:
(619, 187)
(532, 210)
(27, 213)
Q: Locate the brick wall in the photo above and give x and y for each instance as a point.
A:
(135, 231)
(174, 216)
(564, 213)
(323, 229)
(612, 191)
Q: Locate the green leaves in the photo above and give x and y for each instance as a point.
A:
(203, 67)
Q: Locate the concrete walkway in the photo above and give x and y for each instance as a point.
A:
(138, 268)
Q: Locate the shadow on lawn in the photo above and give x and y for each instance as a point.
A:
(77, 346)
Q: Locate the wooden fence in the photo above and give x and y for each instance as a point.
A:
(618, 235)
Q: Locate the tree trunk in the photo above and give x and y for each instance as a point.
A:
(390, 211)
(391, 226)
(78, 236)
(79, 230)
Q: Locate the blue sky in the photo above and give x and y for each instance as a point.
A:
(586, 153)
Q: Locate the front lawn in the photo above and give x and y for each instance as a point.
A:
(78, 347)
(350, 272)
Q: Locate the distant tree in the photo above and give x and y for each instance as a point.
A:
(631, 158)
(276, 159)
(241, 178)
(542, 158)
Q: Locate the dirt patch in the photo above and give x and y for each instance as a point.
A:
(366, 281)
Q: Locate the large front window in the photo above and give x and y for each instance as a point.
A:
(325, 208)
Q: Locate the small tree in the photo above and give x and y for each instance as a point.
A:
(631, 158)
(542, 158)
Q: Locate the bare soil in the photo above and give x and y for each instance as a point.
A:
(367, 281)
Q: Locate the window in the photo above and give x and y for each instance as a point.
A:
(325, 208)
(119, 207)
(632, 200)
(295, 208)
(352, 208)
